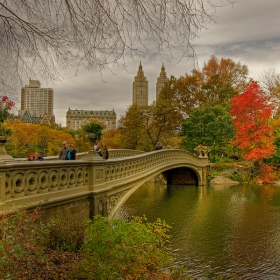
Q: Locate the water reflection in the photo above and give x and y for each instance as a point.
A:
(225, 229)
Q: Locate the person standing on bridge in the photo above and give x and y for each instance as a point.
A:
(37, 157)
(105, 153)
(63, 152)
(71, 154)
(158, 146)
(99, 149)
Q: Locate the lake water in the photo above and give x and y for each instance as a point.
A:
(216, 230)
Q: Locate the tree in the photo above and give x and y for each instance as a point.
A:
(167, 120)
(95, 126)
(35, 138)
(5, 106)
(112, 139)
(207, 125)
(275, 123)
(251, 112)
(91, 132)
(181, 93)
(130, 126)
(271, 84)
(228, 72)
(217, 83)
(254, 135)
(38, 38)
(143, 126)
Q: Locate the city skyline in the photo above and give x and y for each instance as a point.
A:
(246, 32)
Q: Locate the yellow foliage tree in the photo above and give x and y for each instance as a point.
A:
(36, 137)
(112, 139)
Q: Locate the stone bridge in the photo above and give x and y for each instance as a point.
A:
(91, 185)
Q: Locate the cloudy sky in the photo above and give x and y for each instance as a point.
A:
(246, 32)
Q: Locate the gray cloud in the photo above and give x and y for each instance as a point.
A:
(247, 32)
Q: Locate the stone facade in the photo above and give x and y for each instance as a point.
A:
(161, 80)
(36, 100)
(76, 118)
(140, 93)
(78, 209)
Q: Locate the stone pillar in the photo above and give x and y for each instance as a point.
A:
(92, 156)
(203, 176)
(4, 156)
(2, 186)
(100, 205)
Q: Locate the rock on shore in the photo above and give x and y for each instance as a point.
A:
(220, 180)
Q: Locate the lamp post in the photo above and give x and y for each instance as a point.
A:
(214, 151)
(92, 154)
(93, 139)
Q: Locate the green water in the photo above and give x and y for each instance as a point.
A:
(222, 230)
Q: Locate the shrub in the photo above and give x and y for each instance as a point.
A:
(236, 176)
(222, 166)
(117, 249)
(266, 173)
(99, 249)
(31, 249)
(22, 242)
(65, 235)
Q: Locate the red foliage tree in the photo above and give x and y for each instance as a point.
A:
(254, 136)
(251, 112)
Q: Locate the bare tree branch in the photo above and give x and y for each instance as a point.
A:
(41, 37)
(270, 81)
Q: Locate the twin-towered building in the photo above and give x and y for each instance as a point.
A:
(37, 103)
(140, 94)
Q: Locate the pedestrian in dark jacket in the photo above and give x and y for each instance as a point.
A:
(158, 146)
(105, 153)
(71, 154)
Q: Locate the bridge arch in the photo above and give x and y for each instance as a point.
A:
(181, 176)
(192, 170)
(170, 176)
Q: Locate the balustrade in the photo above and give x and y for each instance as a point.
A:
(49, 180)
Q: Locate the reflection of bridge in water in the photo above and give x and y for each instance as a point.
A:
(91, 185)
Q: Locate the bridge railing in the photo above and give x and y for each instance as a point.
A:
(117, 169)
(45, 181)
(23, 181)
(30, 181)
(113, 153)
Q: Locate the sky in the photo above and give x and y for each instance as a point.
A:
(247, 32)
